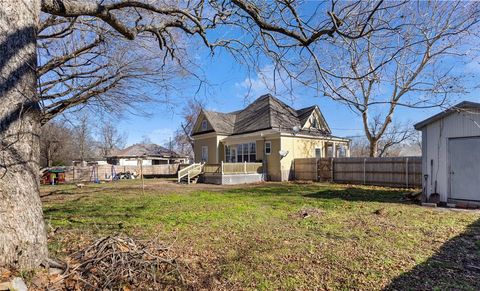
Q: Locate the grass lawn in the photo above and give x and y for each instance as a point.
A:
(255, 236)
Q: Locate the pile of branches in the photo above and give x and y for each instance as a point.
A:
(114, 262)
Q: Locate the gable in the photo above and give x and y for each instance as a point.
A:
(200, 122)
(315, 121)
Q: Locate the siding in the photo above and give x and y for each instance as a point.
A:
(198, 125)
(273, 161)
(435, 147)
(297, 148)
(212, 144)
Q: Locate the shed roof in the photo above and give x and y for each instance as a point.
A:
(150, 150)
(453, 109)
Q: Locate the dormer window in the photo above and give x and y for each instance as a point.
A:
(204, 125)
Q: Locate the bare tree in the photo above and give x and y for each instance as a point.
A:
(110, 139)
(146, 139)
(56, 145)
(396, 136)
(409, 63)
(83, 141)
(256, 27)
(183, 140)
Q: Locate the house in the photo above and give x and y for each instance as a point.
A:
(451, 153)
(89, 162)
(150, 154)
(267, 131)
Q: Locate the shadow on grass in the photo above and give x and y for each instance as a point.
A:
(94, 215)
(328, 192)
(456, 266)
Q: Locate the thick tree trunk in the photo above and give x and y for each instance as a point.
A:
(373, 148)
(23, 241)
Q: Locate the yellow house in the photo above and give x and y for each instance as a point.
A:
(267, 131)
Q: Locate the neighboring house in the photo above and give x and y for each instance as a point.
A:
(88, 162)
(451, 153)
(150, 154)
(267, 131)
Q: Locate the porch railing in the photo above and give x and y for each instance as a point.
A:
(190, 172)
(212, 168)
(233, 168)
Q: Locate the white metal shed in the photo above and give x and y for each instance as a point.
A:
(451, 153)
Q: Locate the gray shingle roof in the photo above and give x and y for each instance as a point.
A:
(221, 122)
(267, 112)
(151, 150)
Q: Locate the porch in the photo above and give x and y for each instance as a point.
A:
(233, 173)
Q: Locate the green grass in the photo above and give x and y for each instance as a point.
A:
(254, 238)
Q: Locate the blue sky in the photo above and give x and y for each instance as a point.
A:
(227, 91)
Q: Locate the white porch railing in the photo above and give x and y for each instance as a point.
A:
(190, 172)
(233, 168)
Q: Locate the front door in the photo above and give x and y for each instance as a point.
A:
(464, 156)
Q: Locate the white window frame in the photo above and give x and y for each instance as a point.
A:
(204, 153)
(241, 150)
(233, 157)
(269, 147)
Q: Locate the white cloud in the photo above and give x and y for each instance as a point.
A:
(265, 81)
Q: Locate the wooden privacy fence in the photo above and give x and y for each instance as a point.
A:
(83, 174)
(385, 171)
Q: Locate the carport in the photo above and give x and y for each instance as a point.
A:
(451, 153)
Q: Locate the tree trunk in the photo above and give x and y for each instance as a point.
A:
(23, 241)
(373, 148)
(49, 154)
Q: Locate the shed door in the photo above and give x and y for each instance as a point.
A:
(464, 156)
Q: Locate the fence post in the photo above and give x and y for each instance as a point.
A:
(245, 167)
(331, 170)
(406, 172)
(221, 165)
(364, 171)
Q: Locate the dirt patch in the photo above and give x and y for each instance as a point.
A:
(380, 211)
(309, 212)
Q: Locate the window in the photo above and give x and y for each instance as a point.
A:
(204, 125)
(318, 153)
(240, 153)
(245, 152)
(314, 122)
(204, 153)
(230, 154)
(252, 152)
(268, 147)
(342, 151)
